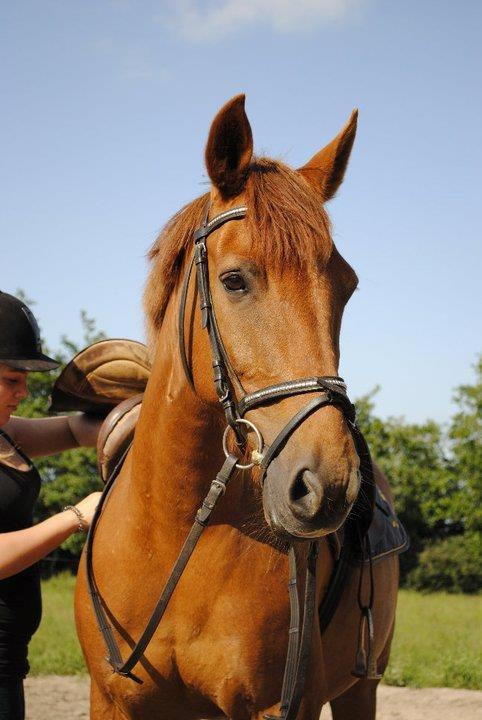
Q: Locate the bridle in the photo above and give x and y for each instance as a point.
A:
(331, 390)
(328, 390)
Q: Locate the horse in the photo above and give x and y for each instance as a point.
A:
(278, 286)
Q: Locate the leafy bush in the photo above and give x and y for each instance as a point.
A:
(453, 564)
(436, 477)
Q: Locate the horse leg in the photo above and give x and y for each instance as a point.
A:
(359, 702)
(101, 706)
(307, 711)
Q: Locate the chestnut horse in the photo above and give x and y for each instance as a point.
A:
(278, 286)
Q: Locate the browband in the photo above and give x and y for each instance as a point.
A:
(207, 228)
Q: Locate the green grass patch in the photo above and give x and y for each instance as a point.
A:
(437, 642)
(54, 648)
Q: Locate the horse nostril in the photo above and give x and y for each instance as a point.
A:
(305, 495)
(299, 488)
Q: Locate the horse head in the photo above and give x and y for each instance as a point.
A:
(278, 287)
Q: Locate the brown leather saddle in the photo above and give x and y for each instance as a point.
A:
(101, 376)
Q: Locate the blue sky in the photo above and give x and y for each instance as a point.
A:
(106, 109)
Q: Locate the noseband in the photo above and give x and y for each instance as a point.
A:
(328, 390)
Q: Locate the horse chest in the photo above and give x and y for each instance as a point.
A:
(195, 671)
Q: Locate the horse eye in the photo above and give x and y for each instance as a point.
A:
(234, 282)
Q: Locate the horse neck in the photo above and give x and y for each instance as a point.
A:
(177, 452)
(178, 443)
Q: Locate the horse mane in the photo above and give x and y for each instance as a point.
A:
(286, 222)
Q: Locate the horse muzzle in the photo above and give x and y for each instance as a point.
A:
(304, 503)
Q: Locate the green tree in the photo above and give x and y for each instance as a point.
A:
(465, 436)
(436, 476)
(413, 456)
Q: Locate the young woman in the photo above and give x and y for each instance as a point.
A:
(21, 544)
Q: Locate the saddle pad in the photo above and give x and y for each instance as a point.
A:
(386, 533)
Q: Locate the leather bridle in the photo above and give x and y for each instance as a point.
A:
(328, 390)
(331, 390)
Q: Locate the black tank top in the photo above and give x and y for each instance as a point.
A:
(20, 600)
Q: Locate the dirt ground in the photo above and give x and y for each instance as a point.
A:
(66, 698)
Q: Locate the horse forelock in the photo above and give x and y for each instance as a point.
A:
(286, 223)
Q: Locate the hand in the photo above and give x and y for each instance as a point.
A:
(87, 507)
(85, 428)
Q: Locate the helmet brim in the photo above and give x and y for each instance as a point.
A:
(42, 363)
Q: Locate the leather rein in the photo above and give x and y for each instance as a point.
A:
(328, 391)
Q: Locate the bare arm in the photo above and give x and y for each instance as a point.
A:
(47, 436)
(22, 548)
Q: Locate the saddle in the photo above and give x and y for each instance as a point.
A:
(107, 378)
(116, 435)
(386, 534)
(101, 376)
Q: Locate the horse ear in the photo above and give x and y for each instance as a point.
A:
(229, 148)
(326, 169)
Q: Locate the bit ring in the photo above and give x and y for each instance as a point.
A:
(251, 427)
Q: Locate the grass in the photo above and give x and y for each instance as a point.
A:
(438, 640)
(54, 648)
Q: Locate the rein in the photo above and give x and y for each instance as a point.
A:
(329, 390)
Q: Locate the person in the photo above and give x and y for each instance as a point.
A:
(23, 544)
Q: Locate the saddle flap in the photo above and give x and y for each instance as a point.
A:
(101, 376)
(386, 534)
(116, 434)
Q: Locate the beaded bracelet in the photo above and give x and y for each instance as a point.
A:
(82, 527)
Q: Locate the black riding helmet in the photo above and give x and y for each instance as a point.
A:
(20, 346)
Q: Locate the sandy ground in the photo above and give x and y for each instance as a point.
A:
(66, 698)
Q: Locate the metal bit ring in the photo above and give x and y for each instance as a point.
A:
(251, 427)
